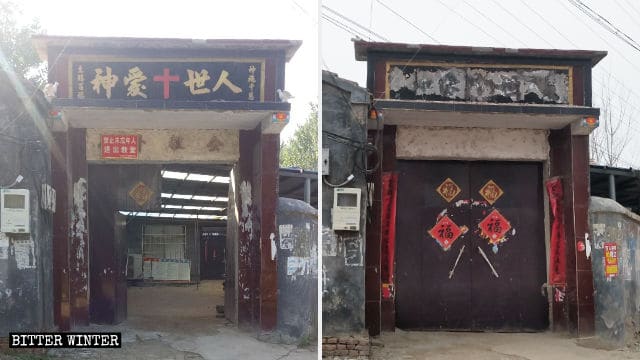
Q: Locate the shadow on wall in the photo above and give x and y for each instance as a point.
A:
(26, 285)
(615, 258)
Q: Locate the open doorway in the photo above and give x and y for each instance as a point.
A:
(169, 228)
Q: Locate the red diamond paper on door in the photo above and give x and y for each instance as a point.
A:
(494, 226)
(446, 232)
(491, 192)
(448, 189)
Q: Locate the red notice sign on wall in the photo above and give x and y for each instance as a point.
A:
(610, 260)
(119, 146)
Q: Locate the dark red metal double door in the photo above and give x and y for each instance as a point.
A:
(466, 260)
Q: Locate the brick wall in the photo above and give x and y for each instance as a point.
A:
(347, 347)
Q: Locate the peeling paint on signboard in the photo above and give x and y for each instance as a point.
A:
(473, 83)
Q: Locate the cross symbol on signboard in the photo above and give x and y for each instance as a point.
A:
(166, 79)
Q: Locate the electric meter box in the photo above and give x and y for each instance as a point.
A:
(14, 210)
(346, 209)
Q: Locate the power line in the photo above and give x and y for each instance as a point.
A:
(604, 23)
(370, 14)
(472, 23)
(494, 23)
(523, 23)
(343, 26)
(354, 23)
(548, 23)
(630, 3)
(627, 12)
(604, 40)
(407, 21)
(444, 19)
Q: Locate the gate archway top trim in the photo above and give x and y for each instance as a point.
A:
(487, 115)
(153, 114)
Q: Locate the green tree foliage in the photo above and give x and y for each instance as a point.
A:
(15, 43)
(301, 150)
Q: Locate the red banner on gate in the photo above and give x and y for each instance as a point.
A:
(557, 263)
(389, 191)
(119, 146)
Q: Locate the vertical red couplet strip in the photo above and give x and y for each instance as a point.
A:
(389, 192)
(557, 263)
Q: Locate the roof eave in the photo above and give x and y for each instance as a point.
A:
(363, 48)
(43, 42)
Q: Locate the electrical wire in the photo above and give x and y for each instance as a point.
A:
(523, 23)
(614, 48)
(605, 23)
(343, 26)
(355, 23)
(407, 21)
(630, 3)
(548, 23)
(471, 23)
(348, 180)
(494, 23)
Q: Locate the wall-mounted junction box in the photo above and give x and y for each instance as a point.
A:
(346, 209)
(14, 210)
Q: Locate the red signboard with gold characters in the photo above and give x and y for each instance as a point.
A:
(494, 227)
(119, 146)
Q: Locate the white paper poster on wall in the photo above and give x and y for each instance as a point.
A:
(296, 265)
(4, 246)
(329, 242)
(25, 254)
(286, 236)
